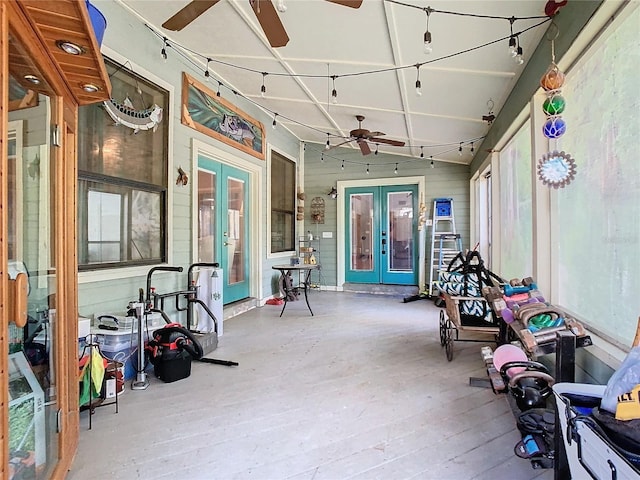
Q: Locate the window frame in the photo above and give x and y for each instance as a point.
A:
(91, 275)
(270, 210)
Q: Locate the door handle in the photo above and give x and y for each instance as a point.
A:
(226, 244)
(384, 244)
(18, 288)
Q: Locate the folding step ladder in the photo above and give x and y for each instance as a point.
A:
(446, 243)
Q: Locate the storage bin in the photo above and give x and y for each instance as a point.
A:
(590, 456)
(121, 346)
(153, 321)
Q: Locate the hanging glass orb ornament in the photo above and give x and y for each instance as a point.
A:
(554, 104)
(553, 79)
(554, 127)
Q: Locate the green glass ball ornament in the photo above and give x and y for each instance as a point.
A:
(554, 105)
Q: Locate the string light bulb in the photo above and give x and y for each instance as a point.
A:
(460, 149)
(512, 39)
(275, 123)
(342, 167)
(519, 58)
(207, 75)
(418, 83)
(376, 152)
(367, 169)
(334, 92)
(396, 169)
(327, 145)
(432, 164)
(219, 86)
(322, 157)
(471, 150)
(263, 88)
(163, 52)
(512, 46)
(428, 48)
(421, 152)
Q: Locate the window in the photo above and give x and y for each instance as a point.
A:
(516, 238)
(122, 178)
(597, 214)
(283, 203)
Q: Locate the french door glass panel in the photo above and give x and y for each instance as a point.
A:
(32, 383)
(361, 232)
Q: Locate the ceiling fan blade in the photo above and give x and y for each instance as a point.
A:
(347, 3)
(339, 144)
(364, 147)
(395, 143)
(270, 22)
(188, 14)
(376, 134)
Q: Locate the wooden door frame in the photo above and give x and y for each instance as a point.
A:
(65, 99)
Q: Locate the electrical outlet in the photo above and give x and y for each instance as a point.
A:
(327, 234)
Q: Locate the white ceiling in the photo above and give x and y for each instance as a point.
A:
(327, 39)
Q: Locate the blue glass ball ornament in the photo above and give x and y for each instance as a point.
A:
(554, 127)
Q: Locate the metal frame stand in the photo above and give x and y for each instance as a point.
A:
(141, 382)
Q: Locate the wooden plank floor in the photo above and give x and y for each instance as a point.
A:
(362, 390)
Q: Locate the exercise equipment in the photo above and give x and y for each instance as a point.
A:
(529, 387)
(508, 353)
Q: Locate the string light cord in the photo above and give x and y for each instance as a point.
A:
(342, 161)
(173, 44)
(462, 14)
(193, 63)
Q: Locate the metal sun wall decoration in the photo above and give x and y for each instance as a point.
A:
(555, 169)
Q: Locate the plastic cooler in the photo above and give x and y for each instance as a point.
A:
(588, 455)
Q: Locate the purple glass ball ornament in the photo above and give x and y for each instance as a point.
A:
(554, 127)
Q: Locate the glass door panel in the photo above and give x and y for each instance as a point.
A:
(400, 264)
(32, 380)
(207, 216)
(361, 230)
(235, 233)
(363, 235)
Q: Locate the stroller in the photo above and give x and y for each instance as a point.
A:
(466, 309)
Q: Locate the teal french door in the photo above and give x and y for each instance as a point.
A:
(381, 234)
(223, 224)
